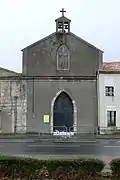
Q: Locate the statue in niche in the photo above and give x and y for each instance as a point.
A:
(63, 58)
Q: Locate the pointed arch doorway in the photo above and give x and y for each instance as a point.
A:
(63, 112)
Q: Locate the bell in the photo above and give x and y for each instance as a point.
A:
(66, 26)
(60, 26)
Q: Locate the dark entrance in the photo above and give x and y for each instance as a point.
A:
(63, 112)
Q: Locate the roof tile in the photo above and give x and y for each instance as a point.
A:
(111, 66)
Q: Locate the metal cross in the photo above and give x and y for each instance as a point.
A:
(62, 11)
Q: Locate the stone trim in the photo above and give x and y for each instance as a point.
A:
(74, 109)
(59, 68)
(18, 78)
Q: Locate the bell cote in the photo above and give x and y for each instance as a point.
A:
(63, 23)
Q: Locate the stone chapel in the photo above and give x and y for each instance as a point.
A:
(57, 89)
(61, 81)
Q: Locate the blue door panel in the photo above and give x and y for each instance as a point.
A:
(63, 112)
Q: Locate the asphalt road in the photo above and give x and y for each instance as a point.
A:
(102, 147)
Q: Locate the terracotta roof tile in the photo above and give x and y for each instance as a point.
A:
(111, 66)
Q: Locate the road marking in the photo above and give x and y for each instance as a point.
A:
(57, 141)
(86, 141)
(112, 146)
(52, 145)
(34, 145)
(16, 141)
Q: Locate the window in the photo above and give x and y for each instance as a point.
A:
(109, 90)
(63, 58)
(111, 118)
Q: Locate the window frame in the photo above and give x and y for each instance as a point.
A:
(111, 118)
(68, 59)
(109, 91)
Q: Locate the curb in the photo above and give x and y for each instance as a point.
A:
(65, 139)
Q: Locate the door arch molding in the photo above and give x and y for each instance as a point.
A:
(74, 110)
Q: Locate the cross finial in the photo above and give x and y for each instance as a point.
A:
(62, 11)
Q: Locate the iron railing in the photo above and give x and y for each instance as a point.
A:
(60, 131)
(57, 130)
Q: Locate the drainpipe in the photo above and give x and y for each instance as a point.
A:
(98, 106)
(15, 115)
(33, 104)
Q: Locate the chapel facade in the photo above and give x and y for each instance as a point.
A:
(61, 82)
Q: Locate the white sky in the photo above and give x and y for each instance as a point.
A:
(23, 22)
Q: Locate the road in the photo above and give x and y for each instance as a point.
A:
(84, 147)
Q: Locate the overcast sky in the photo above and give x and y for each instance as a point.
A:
(23, 22)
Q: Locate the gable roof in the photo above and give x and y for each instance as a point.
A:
(86, 42)
(77, 37)
(110, 67)
(37, 42)
(63, 18)
(9, 71)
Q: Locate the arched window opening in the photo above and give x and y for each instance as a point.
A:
(63, 58)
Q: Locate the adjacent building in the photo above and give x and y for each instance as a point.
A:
(12, 102)
(109, 97)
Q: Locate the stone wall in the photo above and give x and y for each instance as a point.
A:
(13, 105)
